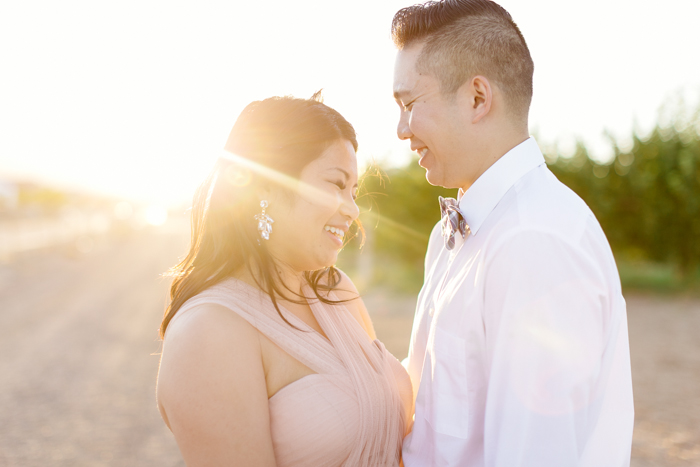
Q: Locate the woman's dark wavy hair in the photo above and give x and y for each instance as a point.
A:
(282, 134)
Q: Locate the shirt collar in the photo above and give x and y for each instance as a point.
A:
(482, 197)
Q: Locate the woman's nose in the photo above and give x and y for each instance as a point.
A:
(349, 208)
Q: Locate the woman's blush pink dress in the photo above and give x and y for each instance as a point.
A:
(356, 408)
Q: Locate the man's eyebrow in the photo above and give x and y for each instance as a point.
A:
(400, 93)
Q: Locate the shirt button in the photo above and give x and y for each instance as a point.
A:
(431, 311)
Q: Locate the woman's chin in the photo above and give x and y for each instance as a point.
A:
(327, 261)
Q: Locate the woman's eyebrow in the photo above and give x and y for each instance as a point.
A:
(347, 175)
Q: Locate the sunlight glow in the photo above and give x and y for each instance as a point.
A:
(237, 174)
(142, 116)
(123, 211)
(156, 215)
(397, 229)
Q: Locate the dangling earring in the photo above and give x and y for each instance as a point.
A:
(264, 222)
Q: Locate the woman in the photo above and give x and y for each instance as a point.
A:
(269, 355)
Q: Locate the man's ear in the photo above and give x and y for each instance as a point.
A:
(481, 97)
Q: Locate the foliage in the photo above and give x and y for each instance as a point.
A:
(399, 210)
(647, 200)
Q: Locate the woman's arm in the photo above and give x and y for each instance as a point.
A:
(212, 391)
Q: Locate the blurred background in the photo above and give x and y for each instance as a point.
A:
(112, 113)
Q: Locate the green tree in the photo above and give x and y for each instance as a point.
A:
(648, 198)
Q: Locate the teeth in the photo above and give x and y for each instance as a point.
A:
(337, 232)
(422, 152)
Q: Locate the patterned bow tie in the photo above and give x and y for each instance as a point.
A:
(452, 221)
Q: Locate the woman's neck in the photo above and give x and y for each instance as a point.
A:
(288, 281)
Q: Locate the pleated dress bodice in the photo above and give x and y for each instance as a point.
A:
(353, 411)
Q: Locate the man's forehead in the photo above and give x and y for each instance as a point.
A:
(405, 81)
(405, 73)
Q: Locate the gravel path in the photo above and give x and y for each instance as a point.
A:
(78, 359)
(78, 338)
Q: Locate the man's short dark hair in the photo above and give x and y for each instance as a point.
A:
(465, 38)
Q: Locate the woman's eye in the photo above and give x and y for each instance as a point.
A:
(339, 184)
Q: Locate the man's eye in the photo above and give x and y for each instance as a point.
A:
(407, 107)
(339, 184)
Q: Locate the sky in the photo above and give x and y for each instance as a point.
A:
(136, 98)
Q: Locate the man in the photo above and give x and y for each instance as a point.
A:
(519, 352)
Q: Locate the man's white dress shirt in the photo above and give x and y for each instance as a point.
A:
(519, 351)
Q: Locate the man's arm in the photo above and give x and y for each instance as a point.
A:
(546, 313)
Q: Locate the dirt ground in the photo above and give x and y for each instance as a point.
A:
(78, 358)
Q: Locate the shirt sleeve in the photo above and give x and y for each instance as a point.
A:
(545, 312)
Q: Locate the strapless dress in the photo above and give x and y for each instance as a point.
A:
(356, 408)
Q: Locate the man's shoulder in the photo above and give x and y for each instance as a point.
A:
(545, 203)
(542, 206)
(542, 189)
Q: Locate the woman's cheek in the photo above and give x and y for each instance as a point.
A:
(326, 200)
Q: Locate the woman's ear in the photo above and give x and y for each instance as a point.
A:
(264, 192)
(275, 196)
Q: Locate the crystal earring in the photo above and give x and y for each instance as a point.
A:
(264, 222)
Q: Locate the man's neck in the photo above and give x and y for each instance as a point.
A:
(495, 147)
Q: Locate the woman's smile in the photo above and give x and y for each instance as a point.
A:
(325, 211)
(336, 234)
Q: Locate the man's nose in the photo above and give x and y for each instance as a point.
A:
(403, 131)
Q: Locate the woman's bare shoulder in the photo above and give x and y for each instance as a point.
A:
(205, 319)
(211, 387)
(346, 290)
(209, 340)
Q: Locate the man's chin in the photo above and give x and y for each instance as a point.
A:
(437, 179)
(433, 178)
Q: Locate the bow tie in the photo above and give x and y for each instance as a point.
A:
(452, 221)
